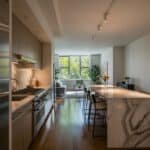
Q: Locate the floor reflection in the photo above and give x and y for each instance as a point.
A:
(71, 114)
(65, 129)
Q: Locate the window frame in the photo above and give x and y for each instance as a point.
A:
(80, 63)
(62, 67)
(83, 67)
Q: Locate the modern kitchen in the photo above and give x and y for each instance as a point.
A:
(74, 75)
(26, 84)
(32, 88)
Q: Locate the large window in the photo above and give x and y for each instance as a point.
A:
(74, 67)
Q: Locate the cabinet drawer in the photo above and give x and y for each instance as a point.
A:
(20, 112)
(22, 128)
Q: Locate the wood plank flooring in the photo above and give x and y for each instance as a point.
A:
(65, 129)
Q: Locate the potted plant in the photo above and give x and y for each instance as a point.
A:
(95, 73)
(105, 77)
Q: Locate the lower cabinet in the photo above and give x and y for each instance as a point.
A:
(48, 103)
(22, 128)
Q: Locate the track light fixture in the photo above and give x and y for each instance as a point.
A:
(99, 27)
(105, 16)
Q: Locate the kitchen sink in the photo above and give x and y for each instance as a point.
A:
(18, 97)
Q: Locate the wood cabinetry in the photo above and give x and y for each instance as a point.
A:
(25, 43)
(48, 103)
(4, 12)
(22, 128)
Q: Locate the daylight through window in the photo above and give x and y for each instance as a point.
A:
(74, 67)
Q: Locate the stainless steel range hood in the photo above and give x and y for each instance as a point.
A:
(23, 59)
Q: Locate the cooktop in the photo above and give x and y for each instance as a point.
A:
(28, 91)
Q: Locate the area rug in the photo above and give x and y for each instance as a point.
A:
(74, 94)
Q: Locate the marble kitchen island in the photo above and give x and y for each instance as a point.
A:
(128, 118)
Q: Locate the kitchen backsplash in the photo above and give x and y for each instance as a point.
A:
(21, 77)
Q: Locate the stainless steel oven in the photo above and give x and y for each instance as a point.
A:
(38, 115)
(40, 110)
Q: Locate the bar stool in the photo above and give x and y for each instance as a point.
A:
(86, 102)
(97, 111)
(84, 98)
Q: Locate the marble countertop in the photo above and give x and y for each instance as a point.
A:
(101, 86)
(119, 93)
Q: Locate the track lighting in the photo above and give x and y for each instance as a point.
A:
(105, 16)
(99, 27)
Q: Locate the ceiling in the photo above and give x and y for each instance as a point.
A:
(22, 12)
(39, 16)
(127, 21)
(73, 23)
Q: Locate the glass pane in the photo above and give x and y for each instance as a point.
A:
(4, 73)
(85, 73)
(64, 61)
(64, 73)
(4, 62)
(4, 85)
(4, 68)
(74, 67)
(85, 61)
(4, 44)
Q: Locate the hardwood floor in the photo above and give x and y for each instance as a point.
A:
(65, 130)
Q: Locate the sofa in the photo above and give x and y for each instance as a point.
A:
(60, 89)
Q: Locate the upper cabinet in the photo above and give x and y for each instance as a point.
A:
(25, 43)
(4, 12)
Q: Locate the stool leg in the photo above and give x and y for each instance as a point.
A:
(89, 114)
(93, 132)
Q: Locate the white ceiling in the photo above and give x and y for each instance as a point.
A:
(128, 20)
(40, 17)
(25, 15)
(73, 23)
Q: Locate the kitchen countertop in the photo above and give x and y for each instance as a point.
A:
(128, 115)
(19, 104)
(16, 105)
(120, 93)
(101, 86)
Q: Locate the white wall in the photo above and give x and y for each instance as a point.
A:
(95, 59)
(118, 64)
(56, 61)
(107, 56)
(45, 75)
(137, 62)
(78, 51)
